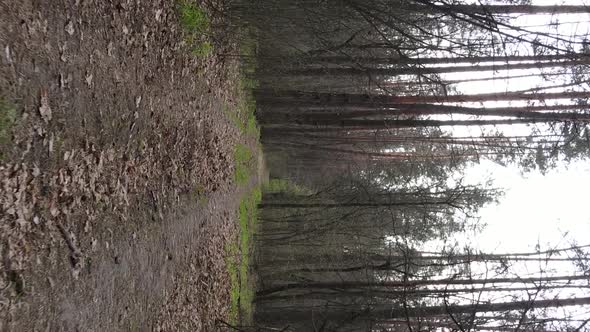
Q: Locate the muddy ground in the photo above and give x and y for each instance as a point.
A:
(117, 196)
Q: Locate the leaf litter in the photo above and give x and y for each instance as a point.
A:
(105, 149)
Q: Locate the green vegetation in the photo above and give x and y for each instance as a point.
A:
(244, 116)
(7, 119)
(243, 164)
(239, 252)
(248, 84)
(232, 260)
(203, 49)
(193, 18)
(285, 186)
(196, 23)
(238, 260)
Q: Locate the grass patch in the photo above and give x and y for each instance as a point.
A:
(203, 49)
(238, 254)
(244, 116)
(243, 164)
(193, 18)
(196, 23)
(232, 260)
(248, 84)
(7, 120)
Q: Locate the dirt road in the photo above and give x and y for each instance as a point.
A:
(116, 168)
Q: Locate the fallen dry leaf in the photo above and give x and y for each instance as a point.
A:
(7, 53)
(44, 109)
(70, 28)
(89, 78)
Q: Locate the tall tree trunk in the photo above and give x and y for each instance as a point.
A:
(421, 70)
(342, 99)
(396, 59)
(384, 311)
(517, 9)
(412, 283)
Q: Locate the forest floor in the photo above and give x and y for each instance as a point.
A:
(118, 143)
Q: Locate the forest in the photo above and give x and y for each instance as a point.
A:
(295, 165)
(373, 111)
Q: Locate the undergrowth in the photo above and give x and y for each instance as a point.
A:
(239, 251)
(244, 114)
(243, 164)
(238, 256)
(197, 25)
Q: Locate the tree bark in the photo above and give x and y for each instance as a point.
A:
(412, 283)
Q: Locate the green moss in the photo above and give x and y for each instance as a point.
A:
(248, 83)
(231, 262)
(238, 255)
(192, 17)
(196, 23)
(243, 115)
(244, 118)
(243, 164)
(203, 49)
(257, 196)
(252, 126)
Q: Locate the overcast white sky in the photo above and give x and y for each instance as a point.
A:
(536, 212)
(536, 209)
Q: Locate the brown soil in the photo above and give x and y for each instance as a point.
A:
(116, 199)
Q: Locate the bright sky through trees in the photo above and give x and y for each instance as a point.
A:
(537, 209)
(409, 121)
